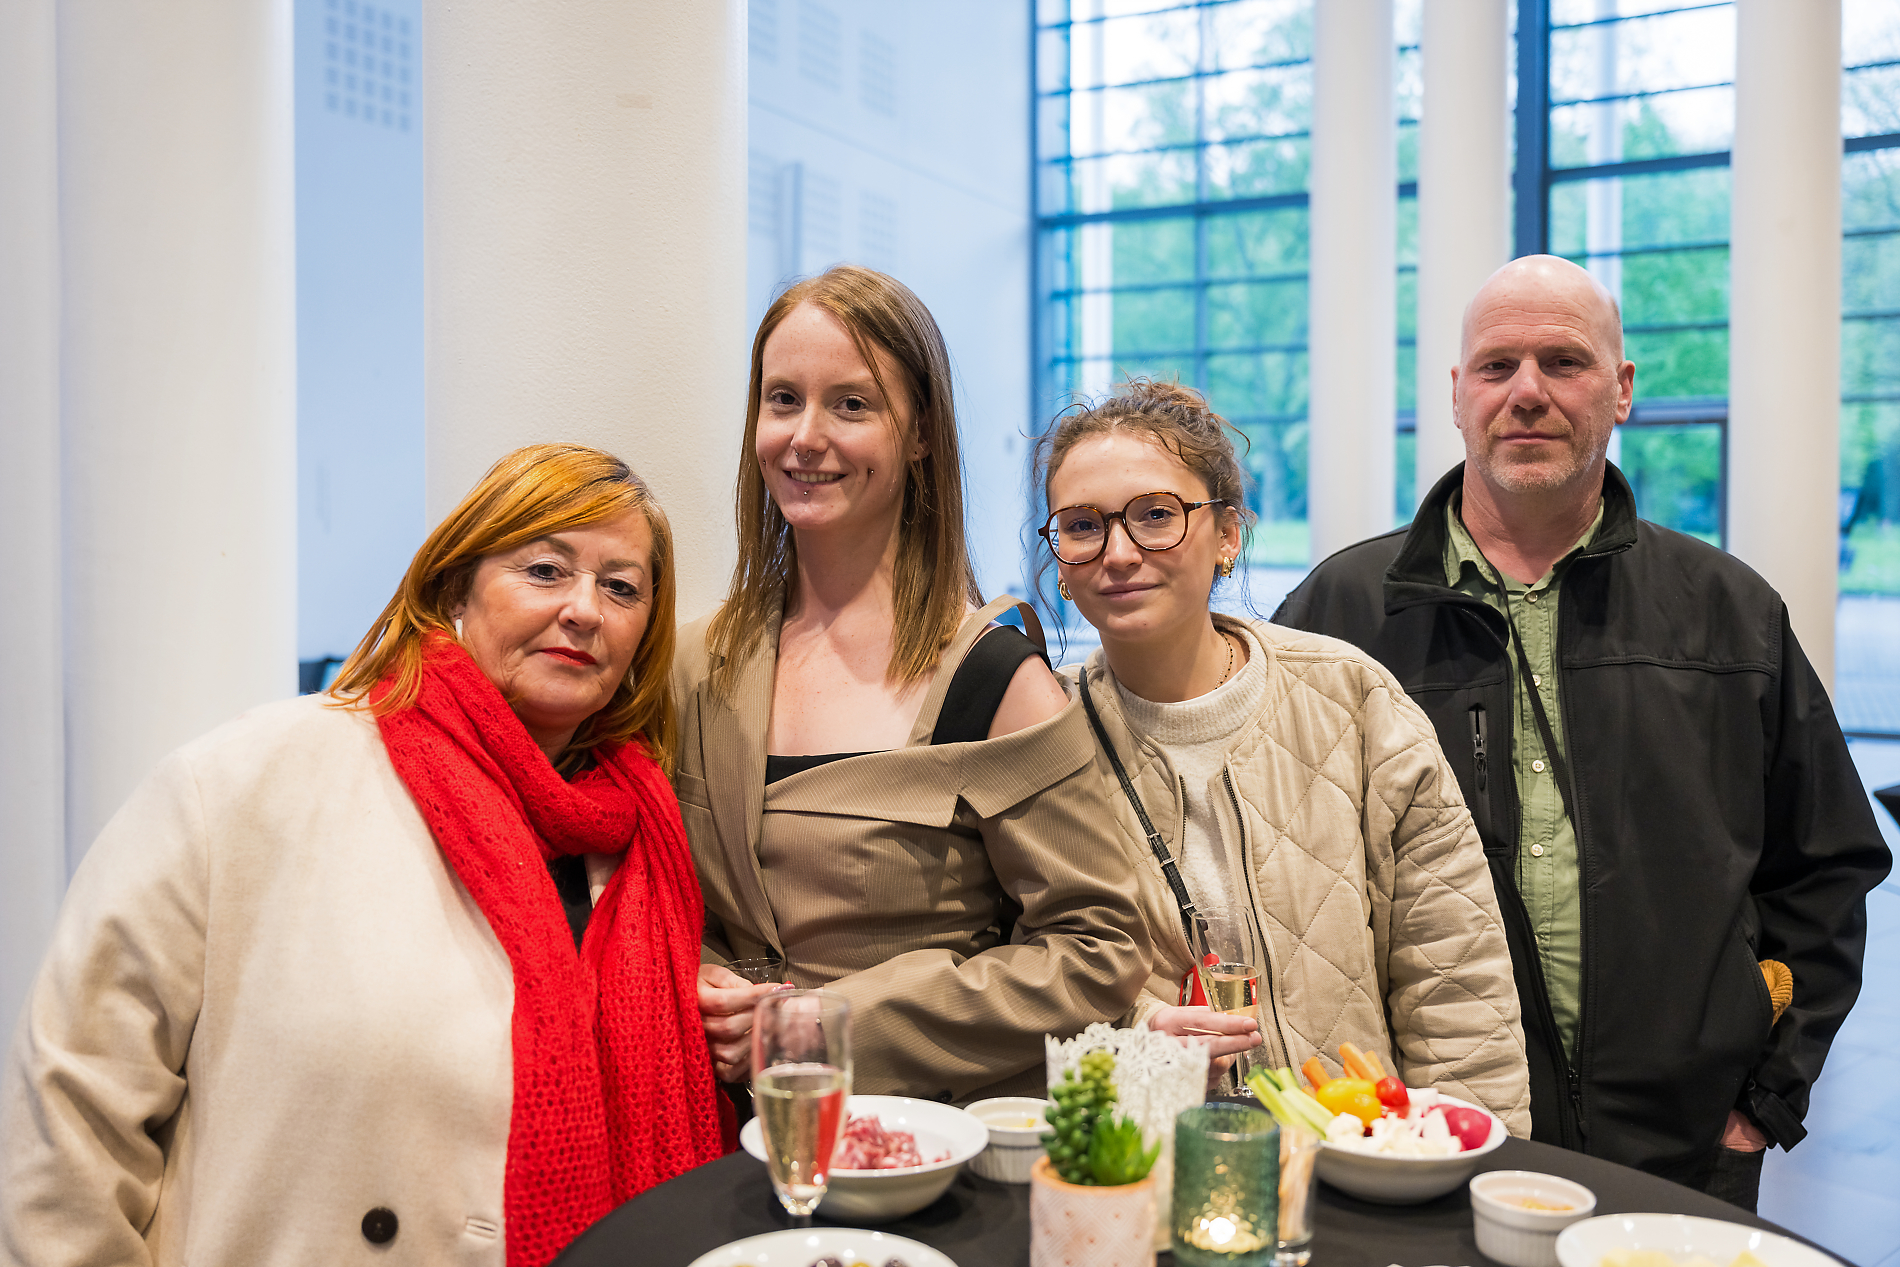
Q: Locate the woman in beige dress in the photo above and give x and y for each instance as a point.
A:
(928, 842)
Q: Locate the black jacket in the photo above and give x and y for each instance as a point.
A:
(1720, 820)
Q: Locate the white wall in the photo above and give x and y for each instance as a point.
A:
(32, 724)
(147, 466)
(584, 239)
(897, 136)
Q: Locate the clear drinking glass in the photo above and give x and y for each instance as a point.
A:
(1232, 983)
(1299, 1153)
(761, 971)
(801, 1078)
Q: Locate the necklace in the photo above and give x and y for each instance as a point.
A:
(1229, 640)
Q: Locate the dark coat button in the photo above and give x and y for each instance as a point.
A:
(379, 1226)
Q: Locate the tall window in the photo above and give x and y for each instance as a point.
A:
(1172, 154)
(1640, 114)
(1173, 145)
(1867, 664)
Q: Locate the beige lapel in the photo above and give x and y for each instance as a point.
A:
(734, 747)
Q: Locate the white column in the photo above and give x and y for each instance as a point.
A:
(584, 246)
(1353, 326)
(1785, 310)
(178, 379)
(32, 729)
(1464, 222)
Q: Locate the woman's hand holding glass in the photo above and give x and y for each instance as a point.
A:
(726, 1003)
(1225, 1035)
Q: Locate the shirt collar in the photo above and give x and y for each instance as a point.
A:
(1467, 569)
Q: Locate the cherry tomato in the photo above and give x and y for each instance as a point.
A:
(1391, 1093)
(1351, 1095)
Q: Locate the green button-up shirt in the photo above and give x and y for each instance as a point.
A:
(1547, 875)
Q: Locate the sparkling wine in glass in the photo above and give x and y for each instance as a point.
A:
(1232, 985)
(801, 1078)
(1233, 988)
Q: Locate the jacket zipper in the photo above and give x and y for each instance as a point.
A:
(1253, 915)
(1477, 745)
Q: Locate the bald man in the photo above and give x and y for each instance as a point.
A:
(1662, 789)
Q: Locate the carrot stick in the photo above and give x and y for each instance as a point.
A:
(1315, 1072)
(1356, 1063)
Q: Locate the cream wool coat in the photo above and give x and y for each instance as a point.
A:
(1365, 875)
(269, 1008)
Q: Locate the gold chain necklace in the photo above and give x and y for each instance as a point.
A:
(1229, 640)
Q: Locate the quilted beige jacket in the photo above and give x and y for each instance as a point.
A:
(1368, 883)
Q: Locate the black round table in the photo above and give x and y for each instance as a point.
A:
(983, 1224)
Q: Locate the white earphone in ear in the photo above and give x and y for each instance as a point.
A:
(458, 627)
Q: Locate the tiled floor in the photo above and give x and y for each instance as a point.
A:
(1867, 663)
(1840, 1187)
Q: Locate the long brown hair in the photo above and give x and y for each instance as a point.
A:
(1177, 418)
(934, 582)
(530, 493)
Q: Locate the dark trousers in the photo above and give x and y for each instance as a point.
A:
(1733, 1176)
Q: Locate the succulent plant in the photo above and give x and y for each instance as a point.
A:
(1086, 1142)
(1116, 1155)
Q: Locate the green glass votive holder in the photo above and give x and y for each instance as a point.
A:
(1226, 1187)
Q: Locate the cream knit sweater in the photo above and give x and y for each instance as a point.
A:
(1195, 734)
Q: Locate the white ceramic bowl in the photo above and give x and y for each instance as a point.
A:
(1016, 1126)
(1515, 1234)
(1393, 1180)
(1679, 1235)
(879, 1196)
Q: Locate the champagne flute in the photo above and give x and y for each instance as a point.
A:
(801, 1078)
(1232, 983)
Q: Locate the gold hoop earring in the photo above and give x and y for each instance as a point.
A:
(1227, 567)
(1062, 588)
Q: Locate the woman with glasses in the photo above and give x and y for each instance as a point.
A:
(1277, 787)
(881, 787)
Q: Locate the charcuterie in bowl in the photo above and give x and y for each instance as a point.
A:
(904, 1154)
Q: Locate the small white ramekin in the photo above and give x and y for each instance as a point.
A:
(1014, 1147)
(1515, 1235)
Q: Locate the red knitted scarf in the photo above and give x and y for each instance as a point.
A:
(613, 1086)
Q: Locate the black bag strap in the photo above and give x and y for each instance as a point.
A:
(1191, 921)
(1559, 766)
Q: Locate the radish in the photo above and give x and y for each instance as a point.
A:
(1471, 1126)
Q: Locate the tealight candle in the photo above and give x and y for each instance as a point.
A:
(1226, 1187)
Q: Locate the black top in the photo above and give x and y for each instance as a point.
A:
(570, 881)
(570, 873)
(970, 702)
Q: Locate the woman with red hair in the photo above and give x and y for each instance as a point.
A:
(410, 967)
